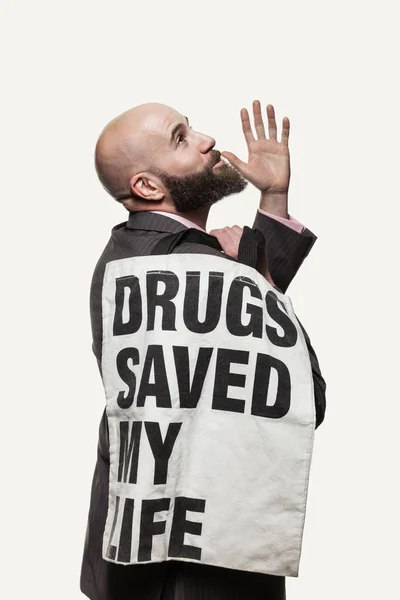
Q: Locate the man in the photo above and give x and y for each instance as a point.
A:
(168, 176)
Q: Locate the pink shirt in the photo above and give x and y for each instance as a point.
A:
(290, 222)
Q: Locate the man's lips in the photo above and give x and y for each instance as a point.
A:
(219, 163)
(218, 160)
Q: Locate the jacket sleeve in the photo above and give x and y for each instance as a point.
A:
(319, 381)
(285, 248)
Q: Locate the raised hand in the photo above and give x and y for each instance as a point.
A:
(268, 166)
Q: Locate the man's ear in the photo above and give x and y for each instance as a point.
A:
(146, 188)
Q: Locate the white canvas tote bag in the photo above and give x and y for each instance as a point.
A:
(210, 409)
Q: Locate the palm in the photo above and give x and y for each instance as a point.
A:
(268, 166)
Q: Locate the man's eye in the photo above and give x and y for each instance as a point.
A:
(180, 136)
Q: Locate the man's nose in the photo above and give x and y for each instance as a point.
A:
(206, 143)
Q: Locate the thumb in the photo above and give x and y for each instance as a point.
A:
(234, 161)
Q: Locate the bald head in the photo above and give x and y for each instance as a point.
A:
(126, 146)
(150, 157)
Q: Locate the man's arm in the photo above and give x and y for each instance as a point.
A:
(229, 238)
(268, 169)
(287, 243)
(319, 381)
(285, 248)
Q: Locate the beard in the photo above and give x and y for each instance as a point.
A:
(203, 189)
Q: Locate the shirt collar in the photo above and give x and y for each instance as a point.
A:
(155, 221)
(152, 221)
(178, 218)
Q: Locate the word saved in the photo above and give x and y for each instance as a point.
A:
(190, 391)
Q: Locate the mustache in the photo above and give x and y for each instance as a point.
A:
(215, 157)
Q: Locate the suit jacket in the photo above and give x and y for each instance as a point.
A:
(285, 251)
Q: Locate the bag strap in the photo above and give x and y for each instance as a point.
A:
(167, 244)
(251, 243)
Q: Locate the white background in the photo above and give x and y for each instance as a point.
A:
(68, 69)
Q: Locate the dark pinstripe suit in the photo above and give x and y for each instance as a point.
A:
(177, 580)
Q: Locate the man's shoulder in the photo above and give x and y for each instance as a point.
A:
(194, 248)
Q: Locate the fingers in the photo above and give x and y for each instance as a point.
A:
(258, 121)
(235, 161)
(229, 238)
(259, 124)
(285, 130)
(271, 122)
(234, 234)
(246, 126)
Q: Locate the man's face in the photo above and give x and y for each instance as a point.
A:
(189, 167)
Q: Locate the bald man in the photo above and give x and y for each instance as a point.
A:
(167, 176)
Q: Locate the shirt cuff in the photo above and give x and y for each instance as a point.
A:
(290, 222)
